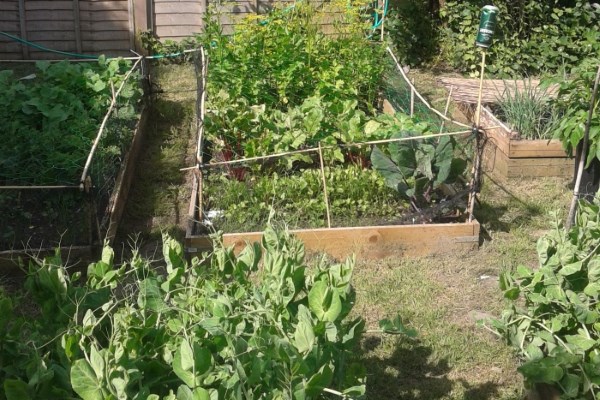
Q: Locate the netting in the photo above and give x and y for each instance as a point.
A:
(414, 173)
(72, 129)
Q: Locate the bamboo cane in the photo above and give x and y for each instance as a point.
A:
(582, 159)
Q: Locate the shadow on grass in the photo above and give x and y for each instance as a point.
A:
(501, 217)
(412, 372)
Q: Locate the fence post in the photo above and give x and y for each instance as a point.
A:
(23, 27)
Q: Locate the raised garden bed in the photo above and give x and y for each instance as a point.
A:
(319, 156)
(510, 156)
(45, 213)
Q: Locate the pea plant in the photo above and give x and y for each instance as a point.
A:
(553, 320)
(254, 325)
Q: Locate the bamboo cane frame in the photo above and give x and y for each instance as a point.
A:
(196, 205)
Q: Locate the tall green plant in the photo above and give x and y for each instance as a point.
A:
(574, 98)
(416, 168)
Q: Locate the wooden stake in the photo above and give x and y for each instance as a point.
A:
(476, 172)
(479, 94)
(324, 186)
(446, 108)
(582, 158)
(113, 103)
(382, 20)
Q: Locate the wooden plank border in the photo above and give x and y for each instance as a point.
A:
(368, 242)
(118, 199)
(509, 156)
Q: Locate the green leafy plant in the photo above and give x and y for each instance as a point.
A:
(356, 195)
(574, 97)
(529, 111)
(416, 168)
(531, 37)
(51, 119)
(412, 30)
(258, 324)
(553, 317)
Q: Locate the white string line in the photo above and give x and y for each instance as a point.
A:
(104, 121)
(17, 187)
(316, 149)
(399, 67)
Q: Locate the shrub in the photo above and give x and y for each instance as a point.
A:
(532, 37)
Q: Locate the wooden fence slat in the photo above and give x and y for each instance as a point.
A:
(97, 26)
(178, 19)
(77, 23)
(178, 8)
(105, 45)
(177, 32)
(104, 35)
(37, 36)
(41, 26)
(10, 26)
(49, 5)
(23, 27)
(103, 5)
(9, 6)
(101, 15)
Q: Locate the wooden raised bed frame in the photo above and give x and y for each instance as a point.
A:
(509, 156)
(9, 259)
(367, 242)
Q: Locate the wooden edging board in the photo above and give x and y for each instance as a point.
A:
(368, 242)
(509, 156)
(118, 199)
(9, 259)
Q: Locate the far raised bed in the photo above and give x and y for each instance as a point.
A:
(510, 156)
(264, 131)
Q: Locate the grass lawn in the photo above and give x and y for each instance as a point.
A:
(442, 297)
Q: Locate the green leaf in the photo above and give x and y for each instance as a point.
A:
(150, 295)
(304, 336)
(512, 293)
(85, 382)
(97, 362)
(15, 389)
(319, 381)
(580, 341)
(191, 362)
(392, 174)
(570, 269)
(396, 327)
(324, 302)
(540, 372)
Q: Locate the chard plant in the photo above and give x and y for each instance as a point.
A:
(254, 325)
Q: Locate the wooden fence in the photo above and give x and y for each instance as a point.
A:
(108, 27)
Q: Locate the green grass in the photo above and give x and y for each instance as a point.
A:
(160, 193)
(443, 297)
